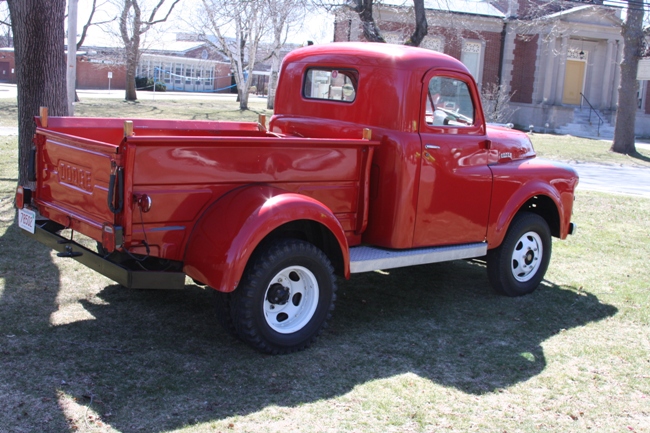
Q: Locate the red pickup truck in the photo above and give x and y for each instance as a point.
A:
(378, 156)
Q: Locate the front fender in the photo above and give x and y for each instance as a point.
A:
(517, 182)
(226, 235)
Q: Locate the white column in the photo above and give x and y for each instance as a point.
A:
(617, 74)
(561, 67)
(551, 59)
(607, 77)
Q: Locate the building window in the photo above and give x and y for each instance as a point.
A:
(471, 57)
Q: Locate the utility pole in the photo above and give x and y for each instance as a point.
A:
(72, 54)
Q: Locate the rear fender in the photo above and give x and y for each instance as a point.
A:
(225, 237)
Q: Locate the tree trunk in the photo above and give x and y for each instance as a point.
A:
(627, 103)
(370, 30)
(130, 93)
(243, 98)
(421, 26)
(273, 80)
(39, 44)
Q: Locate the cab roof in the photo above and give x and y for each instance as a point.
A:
(375, 55)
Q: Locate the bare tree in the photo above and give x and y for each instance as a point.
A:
(283, 14)
(91, 22)
(371, 31)
(633, 39)
(248, 22)
(133, 23)
(5, 25)
(39, 35)
(496, 103)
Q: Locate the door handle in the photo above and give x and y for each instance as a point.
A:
(431, 146)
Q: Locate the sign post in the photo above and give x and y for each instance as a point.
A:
(110, 75)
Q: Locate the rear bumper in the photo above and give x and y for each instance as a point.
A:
(126, 277)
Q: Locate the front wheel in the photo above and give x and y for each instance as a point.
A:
(518, 265)
(285, 297)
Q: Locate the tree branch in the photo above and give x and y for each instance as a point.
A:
(152, 20)
(84, 30)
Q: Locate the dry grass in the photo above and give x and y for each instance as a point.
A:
(569, 148)
(424, 349)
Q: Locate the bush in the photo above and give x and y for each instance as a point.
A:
(144, 83)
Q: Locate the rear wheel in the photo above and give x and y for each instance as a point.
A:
(222, 308)
(518, 266)
(285, 297)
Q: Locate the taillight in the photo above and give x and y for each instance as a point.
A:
(20, 197)
(108, 238)
(23, 197)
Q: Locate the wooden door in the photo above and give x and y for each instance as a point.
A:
(574, 76)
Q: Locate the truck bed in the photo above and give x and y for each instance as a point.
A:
(182, 167)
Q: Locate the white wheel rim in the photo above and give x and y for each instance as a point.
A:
(527, 257)
(290, 299)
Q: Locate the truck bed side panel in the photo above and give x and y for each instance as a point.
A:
(184, 176)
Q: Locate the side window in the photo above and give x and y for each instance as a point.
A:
(330, 84)
(449, 103)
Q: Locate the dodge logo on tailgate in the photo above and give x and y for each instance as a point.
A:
(73, 175)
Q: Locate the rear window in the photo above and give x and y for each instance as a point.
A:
(331, 84)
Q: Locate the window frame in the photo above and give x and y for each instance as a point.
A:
(350, 74)
(478, 123)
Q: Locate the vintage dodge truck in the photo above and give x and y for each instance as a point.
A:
(378, 156)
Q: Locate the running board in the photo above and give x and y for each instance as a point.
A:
(365, 259)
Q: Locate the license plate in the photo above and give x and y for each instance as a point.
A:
(27, 220)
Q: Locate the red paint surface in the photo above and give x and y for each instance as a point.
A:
(217, 189)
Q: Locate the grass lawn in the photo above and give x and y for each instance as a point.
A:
(423, 349)
(568, 148)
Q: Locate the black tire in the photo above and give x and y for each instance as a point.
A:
(519, 264)
(223, 311)
(285, 298)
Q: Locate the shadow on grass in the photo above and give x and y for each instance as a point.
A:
(640, 157)
(27, 299)
(154, 360)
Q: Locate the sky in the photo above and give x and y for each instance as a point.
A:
(318, 27)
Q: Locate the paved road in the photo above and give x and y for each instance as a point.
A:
(614, 179)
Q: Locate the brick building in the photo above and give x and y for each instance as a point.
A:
(181, 64)
(552, 58)
(7, 66)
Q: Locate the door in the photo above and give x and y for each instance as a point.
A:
(455, 181)
(574, 77)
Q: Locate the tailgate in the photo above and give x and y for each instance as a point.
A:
(73, 180)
